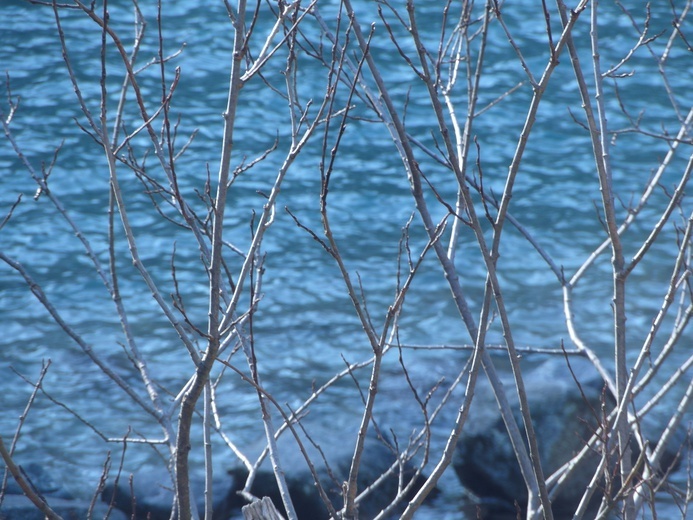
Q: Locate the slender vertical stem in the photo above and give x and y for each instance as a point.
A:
(598, 131)
(207, 419)
(601, 151)
(215, 272)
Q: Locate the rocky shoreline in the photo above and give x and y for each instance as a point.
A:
(484, 463)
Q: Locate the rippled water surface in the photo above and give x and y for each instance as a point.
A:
(305, 327)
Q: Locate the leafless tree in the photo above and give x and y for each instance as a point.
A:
(128, 109)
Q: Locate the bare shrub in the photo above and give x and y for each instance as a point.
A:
(449, 98)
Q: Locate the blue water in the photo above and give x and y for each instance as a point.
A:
(305, 325)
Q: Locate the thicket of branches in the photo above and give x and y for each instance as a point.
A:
(128, 109)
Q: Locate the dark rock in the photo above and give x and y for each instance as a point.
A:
(652, 427)
(563, 419)
(304, 495)
(153, 493)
